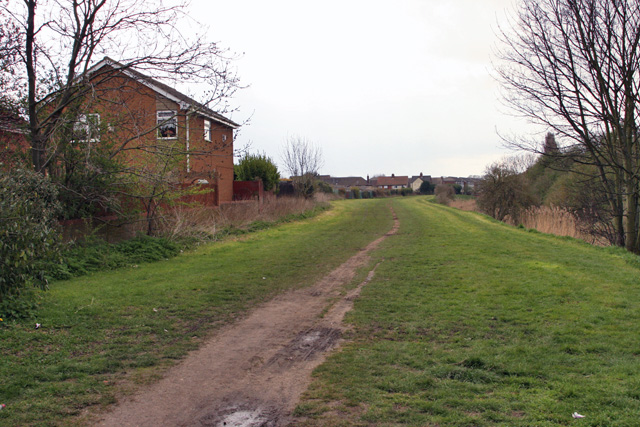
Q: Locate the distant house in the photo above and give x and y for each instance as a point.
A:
(467, 184)
(449, 180)
(126, 105)
(392, 182)
(416, 181)
(344, 182)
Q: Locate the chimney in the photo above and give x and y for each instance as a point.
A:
(367, 179)
(420, 174)
(393, 175)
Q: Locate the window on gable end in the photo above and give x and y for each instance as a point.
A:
(86, 128)
(207, 130)
(167, 124)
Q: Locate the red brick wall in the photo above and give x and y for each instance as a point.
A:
(248, 190)
(14, 150)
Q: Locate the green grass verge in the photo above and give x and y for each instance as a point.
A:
(106, 332)
(469, 322)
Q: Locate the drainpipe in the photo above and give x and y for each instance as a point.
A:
(188, 164)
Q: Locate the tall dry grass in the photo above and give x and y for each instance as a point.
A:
(547, 219)
(553, 220)
(464, 204)
(559, 221)
(207, 222)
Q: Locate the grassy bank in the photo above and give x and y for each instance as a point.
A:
(105, 333)
(469, 322)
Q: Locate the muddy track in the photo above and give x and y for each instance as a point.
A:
(252, 373)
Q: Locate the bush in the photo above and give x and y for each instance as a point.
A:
(323, 187)
(504, 193)
(379, 192)
(426, 188)
(445, 194)
(254, 167)
(29, 232)
(406, 191)
(98, 255)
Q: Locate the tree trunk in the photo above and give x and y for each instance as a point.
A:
(631, 223)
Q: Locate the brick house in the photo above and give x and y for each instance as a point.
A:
(344, 182)
(13, 143)
(392, 182)
(138, 114)
(416, 181)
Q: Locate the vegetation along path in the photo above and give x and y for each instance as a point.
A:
(466, 322)
(105, 336)
(252, 372)
(470, 322)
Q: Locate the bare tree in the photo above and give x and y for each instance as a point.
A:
(303, 160)
(574, 66)
(10, 44)
(503, 191)
(62, 39)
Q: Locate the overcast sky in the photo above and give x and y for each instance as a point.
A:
(402, 86)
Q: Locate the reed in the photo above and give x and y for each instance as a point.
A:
(207, 222)
(464, 204)
(547, 219)
(559, 221)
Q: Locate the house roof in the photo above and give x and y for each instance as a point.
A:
(183, 100)
(444, 180)
(349, 181)
(422, 177)
(392, 180)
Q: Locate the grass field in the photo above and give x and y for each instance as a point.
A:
(469, 322)
(104, 334)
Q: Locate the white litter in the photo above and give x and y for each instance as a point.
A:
(577, 415)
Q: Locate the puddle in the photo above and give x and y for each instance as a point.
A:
(243, 419)
(242, 415)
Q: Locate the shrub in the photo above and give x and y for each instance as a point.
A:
(323, 187)
(426, 188)
(445, 194)
(379, 192)
(29, 235)
(253, 167)
(504, 192)
(406, 191)
(97, 255)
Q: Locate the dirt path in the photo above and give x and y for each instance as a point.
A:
(251, 373)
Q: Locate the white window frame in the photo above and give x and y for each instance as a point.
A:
(207, 130)
(164, 118)
(89, 127)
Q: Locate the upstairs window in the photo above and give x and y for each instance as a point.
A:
(87, 128)
(167, 124)
(207, 130)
